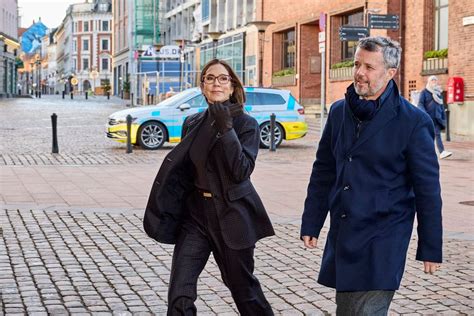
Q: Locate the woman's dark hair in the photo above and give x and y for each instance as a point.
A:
(238, 96)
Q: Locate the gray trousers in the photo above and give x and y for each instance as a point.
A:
(367, 303)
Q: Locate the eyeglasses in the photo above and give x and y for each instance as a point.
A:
(223, 79)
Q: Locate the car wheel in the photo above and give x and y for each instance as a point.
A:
(152, 135)
(265, 135)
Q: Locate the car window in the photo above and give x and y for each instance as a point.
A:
(197, 101)
(265, 98)
(250, 97)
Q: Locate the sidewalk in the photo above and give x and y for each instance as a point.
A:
(72, 238)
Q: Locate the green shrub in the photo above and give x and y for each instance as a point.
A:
(442, 53)
(343, 64)
(284, 72)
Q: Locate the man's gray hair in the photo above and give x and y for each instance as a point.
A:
(391, 49)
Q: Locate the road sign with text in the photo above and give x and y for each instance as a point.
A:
(352, 33)
(384, 21)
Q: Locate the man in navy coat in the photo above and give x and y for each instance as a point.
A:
(376, 167)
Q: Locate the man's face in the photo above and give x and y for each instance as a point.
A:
(370, 75)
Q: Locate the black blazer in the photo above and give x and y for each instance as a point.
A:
(242, 216)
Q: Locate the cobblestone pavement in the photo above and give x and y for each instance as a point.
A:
(71, 237)
(60, 262)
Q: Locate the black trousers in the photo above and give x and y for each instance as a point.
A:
(201, 235)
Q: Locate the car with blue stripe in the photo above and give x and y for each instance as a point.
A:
(152, 126)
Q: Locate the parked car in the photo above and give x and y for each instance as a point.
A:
(152, 126)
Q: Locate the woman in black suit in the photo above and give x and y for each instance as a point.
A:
(202, 199)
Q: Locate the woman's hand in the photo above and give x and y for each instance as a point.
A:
(222, 117)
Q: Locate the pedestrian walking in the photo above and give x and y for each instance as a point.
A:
(375, 167)
(431, 101)
(202, 199)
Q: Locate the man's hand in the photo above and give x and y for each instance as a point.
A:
(431, 267)
(310, 242)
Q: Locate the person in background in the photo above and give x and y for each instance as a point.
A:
(431, 101)
(202, 199)
(375, 169)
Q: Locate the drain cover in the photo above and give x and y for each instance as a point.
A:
(470, 203)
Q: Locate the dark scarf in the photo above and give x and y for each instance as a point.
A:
(363, 110)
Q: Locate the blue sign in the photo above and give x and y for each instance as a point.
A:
(31, 39)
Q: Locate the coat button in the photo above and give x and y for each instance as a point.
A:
(343, 215)
(349, 158)
(347, 187)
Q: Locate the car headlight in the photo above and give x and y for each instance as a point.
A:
(123, 120)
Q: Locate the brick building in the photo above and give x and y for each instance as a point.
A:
(292, 59)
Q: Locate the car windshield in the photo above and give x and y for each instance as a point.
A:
(177, 99)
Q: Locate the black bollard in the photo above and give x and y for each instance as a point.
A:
(36, 93)
(39, 94)
(87, 94)
(272, 132)
(129, 136)
(64, 93)
(131, 99)
(448, 135)
(108, 95)
(54, 121)
(72, 96)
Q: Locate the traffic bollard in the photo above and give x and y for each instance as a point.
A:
(72, 96)
(64, 93)
(272, 132)
(54, 121)
(131, 99)
(129, 136)
(85, 92)
(39, 94)
(108, 95)
(36, 94)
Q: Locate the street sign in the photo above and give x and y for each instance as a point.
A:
(352, 33)
(74, 81)
(384, 21)
(322, 37)
(322, 21)
(322, 47)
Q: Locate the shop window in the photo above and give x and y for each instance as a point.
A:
(288, 49)
(348, 48)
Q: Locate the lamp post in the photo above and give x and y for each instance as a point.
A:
(215, 37)
(261, 27)
(180, 42)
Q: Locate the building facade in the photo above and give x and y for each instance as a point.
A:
(435, 36)
(9, 47)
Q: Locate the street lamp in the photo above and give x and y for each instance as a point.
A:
(261, 27)
(215, 37)
(181, 43)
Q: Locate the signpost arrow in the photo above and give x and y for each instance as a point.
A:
(384, 21)
(352, 33)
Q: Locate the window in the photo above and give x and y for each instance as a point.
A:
(105, 44)
(74, 46)
(105, 64)
(288, 49)
(85, 64)
(197, 102)
(75, 27)
(85, 45)
(86, 26)
(349, 47)
(257, 98)
(269, 99)
(441, 24)
(74, 65)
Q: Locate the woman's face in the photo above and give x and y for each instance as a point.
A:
(217, 84)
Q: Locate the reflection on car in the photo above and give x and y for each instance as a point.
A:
(152, 126)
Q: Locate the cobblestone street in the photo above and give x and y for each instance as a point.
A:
(72, 240)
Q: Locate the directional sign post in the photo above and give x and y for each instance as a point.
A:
(384, 21)
(352, 33)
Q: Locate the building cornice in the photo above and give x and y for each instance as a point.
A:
(9, 40)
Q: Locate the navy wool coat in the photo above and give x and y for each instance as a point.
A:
(372, 186)
(242, 217)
